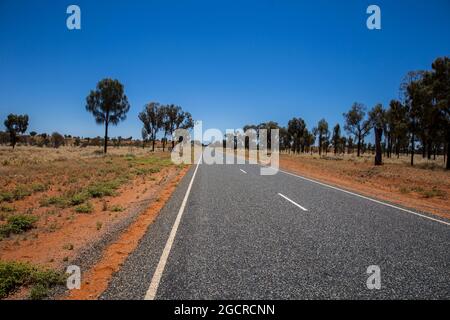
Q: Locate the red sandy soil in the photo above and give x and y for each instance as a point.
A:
(60, 233)
(97, 279)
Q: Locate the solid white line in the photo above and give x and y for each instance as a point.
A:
(367, 198)
(151, 292)
(293, 202)
(243, 171)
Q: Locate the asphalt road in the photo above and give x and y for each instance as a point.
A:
(246, 236)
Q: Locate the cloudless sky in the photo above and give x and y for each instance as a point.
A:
(229, 63)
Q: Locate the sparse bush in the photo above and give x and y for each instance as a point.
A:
(38, 187)
(84, 208)
(433, 193)
(79, 198)
(38, 292)
(117, 208)
(103, 189)
(68, 246)
(17, 224)
(57, 140)
(21, 192)
(6, 196)
(14, 275)
(60, 202)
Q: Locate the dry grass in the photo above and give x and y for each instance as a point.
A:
(51, 197)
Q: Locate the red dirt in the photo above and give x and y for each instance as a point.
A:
(96, 280)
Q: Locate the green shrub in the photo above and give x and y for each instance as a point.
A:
(117, 208)
(38, 292)
(84, 208)
(7, 209)
(14, 275)
(60, 202)
(21, 192)
(6, 196)
(17, 224)
(433, 193)
(39, 187)
(79, 198)
(103, 189)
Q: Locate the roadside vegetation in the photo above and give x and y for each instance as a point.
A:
(55, 202)
(16, 275)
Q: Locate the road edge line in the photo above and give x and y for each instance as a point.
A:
(367, 198)
(157, 275)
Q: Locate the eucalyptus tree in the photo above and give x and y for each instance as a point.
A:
(15, 125)
(356, 124)
(108, 104)
(377, 118)
(296, 129)
(152, 119)
(323, 134)
(336, 138)
(441, 93)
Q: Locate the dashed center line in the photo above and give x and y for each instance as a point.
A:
(243, 171)
(293, 202)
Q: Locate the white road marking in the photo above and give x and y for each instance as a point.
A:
(243, 171)
(367, 198)
(293, 202)
(151, 292)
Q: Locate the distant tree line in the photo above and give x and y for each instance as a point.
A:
(109, 106)
(418, 121)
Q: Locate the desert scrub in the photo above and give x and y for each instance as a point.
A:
(117, 208)
(17, 224)
(6, 196)
(14, 275)
(19, 193)
(79, 198)
(434, 192)
(85, 208)
(39, 187)
(60, 202)
(104, 189)
(7, 209)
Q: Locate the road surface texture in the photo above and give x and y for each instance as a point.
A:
(246, 236)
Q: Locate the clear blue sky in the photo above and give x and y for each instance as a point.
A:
(227, 62)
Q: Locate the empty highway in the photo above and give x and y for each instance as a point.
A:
(229, 233)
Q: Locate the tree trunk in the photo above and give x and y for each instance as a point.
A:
(429, 149)
(412, 149)
(105, 149)
(378, 151)
(359, 145)
(320, 146)
(153, 146)
(447, 166)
